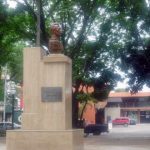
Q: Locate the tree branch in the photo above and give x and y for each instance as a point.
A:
(31, 10)
(87, 21)
(52, 9)
(43, 27)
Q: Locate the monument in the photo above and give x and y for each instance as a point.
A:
(47, 116)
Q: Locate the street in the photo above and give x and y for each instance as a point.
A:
(136, 137)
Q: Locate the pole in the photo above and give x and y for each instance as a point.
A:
(5, 95)
(13, 104)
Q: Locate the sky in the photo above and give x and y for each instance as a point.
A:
(124, 85)
(11, 3)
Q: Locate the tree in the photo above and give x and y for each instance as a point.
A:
(134, 18)
(15, 63)
(3, 44)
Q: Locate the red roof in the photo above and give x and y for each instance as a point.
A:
(127, 94)
(116, 94)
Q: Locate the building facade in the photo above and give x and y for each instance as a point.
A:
(123, 104)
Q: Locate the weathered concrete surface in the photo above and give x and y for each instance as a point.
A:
(120, 138)
(2, 143)
(47, 115)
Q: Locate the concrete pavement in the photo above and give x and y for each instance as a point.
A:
(120, 138)
(2, 143)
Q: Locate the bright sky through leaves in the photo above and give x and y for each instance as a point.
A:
(11, 3)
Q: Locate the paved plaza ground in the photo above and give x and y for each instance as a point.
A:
(120, 138)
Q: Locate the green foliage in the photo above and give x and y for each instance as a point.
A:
(3, 46)
(15, 63)
(117, 29)
(82, 97)
(78, 19)
(101, 94)
(134, 18)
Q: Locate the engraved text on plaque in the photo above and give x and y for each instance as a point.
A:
(51, 94)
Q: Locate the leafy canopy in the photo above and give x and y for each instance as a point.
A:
(97, 34)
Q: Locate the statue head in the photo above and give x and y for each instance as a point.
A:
(55, 45)
(55, 30)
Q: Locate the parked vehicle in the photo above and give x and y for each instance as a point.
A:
(7, 126)
(121, 121)
(95, 129)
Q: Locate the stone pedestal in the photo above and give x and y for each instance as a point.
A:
(47, 116)
(45, 140)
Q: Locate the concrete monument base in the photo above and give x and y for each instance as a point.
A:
(47, 116)
(45, 140)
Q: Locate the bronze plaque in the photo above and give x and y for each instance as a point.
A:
(51, 94)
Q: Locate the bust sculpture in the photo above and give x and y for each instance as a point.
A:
(55, 46)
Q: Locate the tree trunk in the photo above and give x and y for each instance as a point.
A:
(0, 72)
(38, 32)
(74, 110)
(81, 116)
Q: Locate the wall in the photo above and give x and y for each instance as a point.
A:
(112, 112)
(89, 114)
